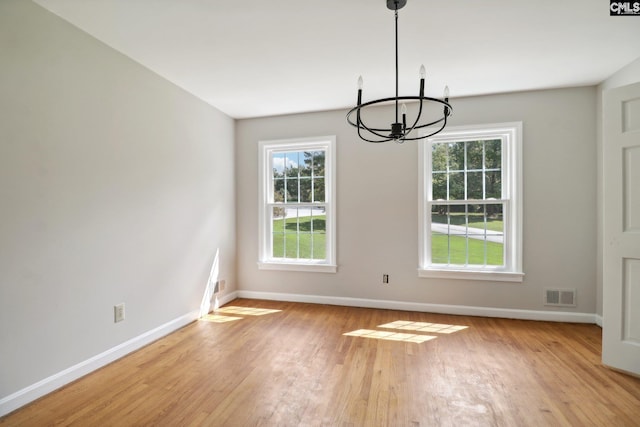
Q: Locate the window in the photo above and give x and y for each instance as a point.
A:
(471, 203)
(297, 204)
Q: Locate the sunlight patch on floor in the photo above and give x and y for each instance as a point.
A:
(423, 327)
(247, 311)
(390, 336)
(216, 318)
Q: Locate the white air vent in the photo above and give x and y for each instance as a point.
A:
(560, 297)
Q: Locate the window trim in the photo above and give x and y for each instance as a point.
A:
(511, 134)
(266, 148)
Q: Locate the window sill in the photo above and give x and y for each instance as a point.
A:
(496, 276)
(310, 268)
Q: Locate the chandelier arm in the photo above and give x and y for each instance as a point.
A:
(372, 140)
(361, 125)
(435, 122)
(444, 124)
(417, 118)
(367, 104)
(383, 138)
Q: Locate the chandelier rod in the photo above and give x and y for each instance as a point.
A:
(396, 13)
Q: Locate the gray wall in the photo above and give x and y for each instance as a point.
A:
(378, 206)
(115, 186)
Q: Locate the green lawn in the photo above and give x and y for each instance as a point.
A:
(452, 250)
(299, 238)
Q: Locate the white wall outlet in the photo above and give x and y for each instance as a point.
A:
(118, 313)
(223, 285)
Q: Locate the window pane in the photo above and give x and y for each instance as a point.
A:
(278, 190)
(495, 234)
(439, 157)
(291, 164)
(305, 189)
(457, 219)
(474, 185)
(439, 234)
(439, 248)
(318, 220)
(318, 163)
(278, 245)
(278, 162)
(278, 214)
(474, 155)
(292, 190)
(493, 183)
(439, 186)
(493, 154)
(456, 186)
(318, 190)
(477, 231)
(456, 156)
(278, 236)
(494, 217)
(291, 220)
(306, 157)
(440, 216)
(291, 234)
(318, 236)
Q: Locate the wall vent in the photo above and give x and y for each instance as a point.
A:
(560, 297)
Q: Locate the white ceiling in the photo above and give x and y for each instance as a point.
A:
(252, 58)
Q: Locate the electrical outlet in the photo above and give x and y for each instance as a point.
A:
(118, 313)
(385, 279)
(223, 285)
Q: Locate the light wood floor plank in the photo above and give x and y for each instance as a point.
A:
(296, 367)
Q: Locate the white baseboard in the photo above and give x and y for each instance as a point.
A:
(226, 298)
(598, 319)
(29, 394)
(553, 316)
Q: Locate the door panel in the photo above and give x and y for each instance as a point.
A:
(621, 251)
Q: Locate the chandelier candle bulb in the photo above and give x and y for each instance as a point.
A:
(423, 72)
(446, 99)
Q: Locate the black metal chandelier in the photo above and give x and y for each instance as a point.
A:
(399, 130)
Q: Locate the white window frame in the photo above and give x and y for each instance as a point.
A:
(266, 199)
(511, 136)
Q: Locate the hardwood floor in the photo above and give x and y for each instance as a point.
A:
(295, 367)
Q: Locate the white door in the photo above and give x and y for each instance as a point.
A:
(621, 251)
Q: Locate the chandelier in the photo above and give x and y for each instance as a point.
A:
(399, 130)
